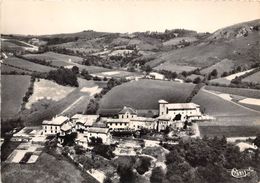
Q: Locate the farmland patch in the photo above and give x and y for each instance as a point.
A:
(174, 68)
(144, 94)
(14, 88)
(254, 78)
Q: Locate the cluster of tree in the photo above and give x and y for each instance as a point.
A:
(146, 68)
(59, 40)
(7, 125)
(84, 73)
(63, 76)
(104, 150)
(238, 80)
(167, 34)
(169, 74)
(93, 105)
(194, 92)
(95, 141)
(69, 139)
(213, 74)
(29, 92)
(205, 160)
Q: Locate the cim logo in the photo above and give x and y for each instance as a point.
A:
(241, 173)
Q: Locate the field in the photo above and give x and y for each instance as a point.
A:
(229, 117)
(56, 58)
(49, 169)
(254, 78)
(116, 73)
(144, 94)
(10, 69)
(14, 88)
(251, 93)
(45, 89)
(75, 100)
(174, 68)
(24, 64)
(176, 41)
(224, 65)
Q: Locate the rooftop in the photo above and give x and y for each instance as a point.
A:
(111, 120)
(98, 130)
(56, 121)
(182, 106)
(66, 127)
(127, 109)
(143, 119)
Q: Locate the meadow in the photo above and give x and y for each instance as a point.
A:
(14, 88)
(45, 89)
(254, 78)
(224, 65)
(10, 69)
(116, 73)
(49, 169)
(144, 94)
(174, 67)
(24, 64)
(251, 93)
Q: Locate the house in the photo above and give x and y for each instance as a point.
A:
(83, 122)
(182, 111)
(53, 126)
(156, 75)
(117, 124)
(138, 123)
(127, 113)
(97, 132)
(67, 128)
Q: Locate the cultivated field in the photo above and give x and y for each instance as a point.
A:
(14, 88)
(10, 69)
(254, 78)
(49, 169)
(24, 64)
(56, 59)
(45, 89)
(174, 68)
(116, 74)
(144, 94)
(229, 117)
(251, 93)
(224, 65)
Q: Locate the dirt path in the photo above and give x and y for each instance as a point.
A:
(228, 99)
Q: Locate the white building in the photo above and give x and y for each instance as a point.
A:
(127, 113)
(98, 132)
(53, 126)
(156, 75)
(117, 124)
(83, 122)
(138, 123)
(182, 111)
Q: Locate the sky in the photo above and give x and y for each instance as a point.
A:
(39, 17)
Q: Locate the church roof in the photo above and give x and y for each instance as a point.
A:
(127, 109)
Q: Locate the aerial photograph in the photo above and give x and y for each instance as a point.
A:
(130, 91)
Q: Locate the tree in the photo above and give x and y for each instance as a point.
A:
(75, 69)
(257, 141)
(126, 174)
(157, 175)
(197, 80)
(92, 107)
(214, 73)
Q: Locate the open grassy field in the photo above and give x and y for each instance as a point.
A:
(229, 131)
(116, 74)
(144, 94)
(231, 119)
(55, 58)
(251, 93)
(224, 65)
(9, 69)
(35, 117)
(174, 67)
(46, 169)
(21, 63)
(254, 78)
(45, 89)
(13, 90)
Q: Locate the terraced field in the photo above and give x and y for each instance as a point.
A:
(144, 94)
(13, 90)
(10, 69)
(24, 64)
